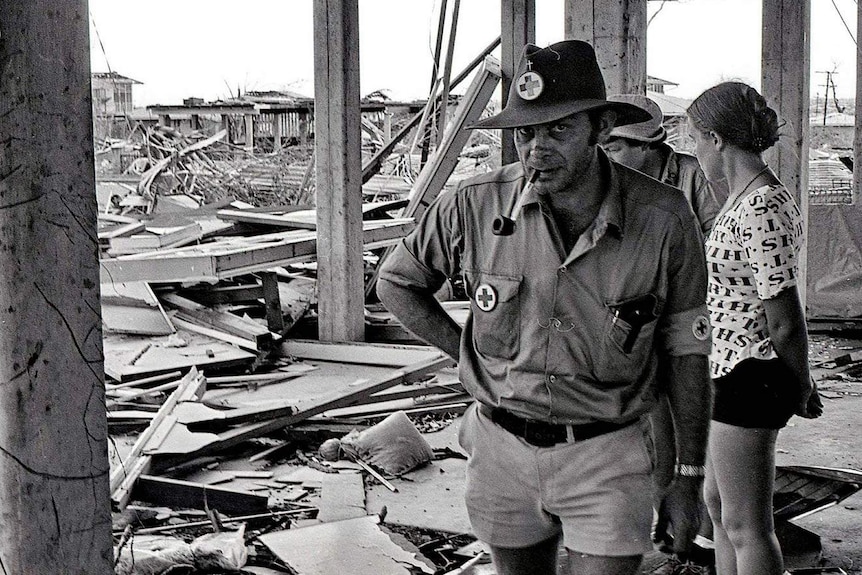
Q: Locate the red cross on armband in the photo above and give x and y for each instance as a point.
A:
(700, 328)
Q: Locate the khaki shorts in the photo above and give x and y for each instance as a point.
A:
(597, 493)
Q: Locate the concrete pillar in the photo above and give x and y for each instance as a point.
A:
(54, 496)
(517, 29)
(340, 273)
(617, 31)
(785, 80)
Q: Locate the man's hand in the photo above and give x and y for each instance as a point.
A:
(680, 512)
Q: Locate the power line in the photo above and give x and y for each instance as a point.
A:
(101, 44)
(846, 27)
(111, 73)
(651, 18)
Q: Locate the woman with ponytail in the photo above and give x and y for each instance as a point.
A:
(759, 359)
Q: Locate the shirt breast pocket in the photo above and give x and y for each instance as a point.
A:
(496, 314)
(627, 338)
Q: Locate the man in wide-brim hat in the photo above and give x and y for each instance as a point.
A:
(596, 279)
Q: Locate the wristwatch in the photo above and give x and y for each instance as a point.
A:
(686, 470)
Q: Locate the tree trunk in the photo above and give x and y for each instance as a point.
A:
(54, 498)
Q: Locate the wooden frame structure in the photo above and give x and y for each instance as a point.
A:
(617, 29)
(55, 438)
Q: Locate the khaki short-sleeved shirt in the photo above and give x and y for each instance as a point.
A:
(683, 172)
(547, 336)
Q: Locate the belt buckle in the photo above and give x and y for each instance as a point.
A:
(539, 437)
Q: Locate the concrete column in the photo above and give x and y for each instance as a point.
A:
(340, 273)
(617, 31)
(786, 80)
(54, 495)
(517, 29)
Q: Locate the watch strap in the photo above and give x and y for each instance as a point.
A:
(687, 470)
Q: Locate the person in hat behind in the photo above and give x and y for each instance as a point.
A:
(585, 279)
(643, 147)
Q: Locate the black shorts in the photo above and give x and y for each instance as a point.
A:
(757, 393)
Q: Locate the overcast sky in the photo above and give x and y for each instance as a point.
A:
(213, 48)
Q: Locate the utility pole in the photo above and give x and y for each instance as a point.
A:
(55, 514)
(830, 84)
(825, 92)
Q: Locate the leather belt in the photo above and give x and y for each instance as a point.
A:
(544, 434)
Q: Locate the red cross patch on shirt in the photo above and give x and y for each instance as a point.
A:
(485, 297)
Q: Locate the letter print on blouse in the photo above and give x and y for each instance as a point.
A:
(751, 256)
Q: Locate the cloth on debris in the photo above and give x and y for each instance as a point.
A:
(154, 554)
(393, 445)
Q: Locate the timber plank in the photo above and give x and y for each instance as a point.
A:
(132, 357)
(136, 461)
(177, 493)
(358, 352)
(196, 313)
(228, 258)
(283, 417)
(132, 308)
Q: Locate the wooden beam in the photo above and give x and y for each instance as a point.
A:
(423, 133)
(447, 73)
(340, 270)
(166, 492)
(517, 29)
(283, 417)
(237, 256)
(617, 31)
(391, 355)
(258, 335)
(211, 295)
(434, 174)
(248, 122)
(135, 463)
(857, 134)
(272, 301)
(55, 514)
(786, 60)
(276, 131)
(374, 164)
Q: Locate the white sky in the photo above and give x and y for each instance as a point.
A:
(212, 48)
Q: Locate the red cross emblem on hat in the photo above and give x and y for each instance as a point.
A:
(700, 328)
(529, 85)
(485, 297)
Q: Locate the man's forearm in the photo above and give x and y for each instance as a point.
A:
(690, 394)
(423, 315)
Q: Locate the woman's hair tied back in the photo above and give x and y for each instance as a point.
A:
(739, 113)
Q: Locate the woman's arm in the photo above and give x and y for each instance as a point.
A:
(786, 322)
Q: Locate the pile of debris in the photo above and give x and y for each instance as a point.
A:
(219, 396)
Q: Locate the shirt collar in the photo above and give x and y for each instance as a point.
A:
(670, 170)
(611, 216)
